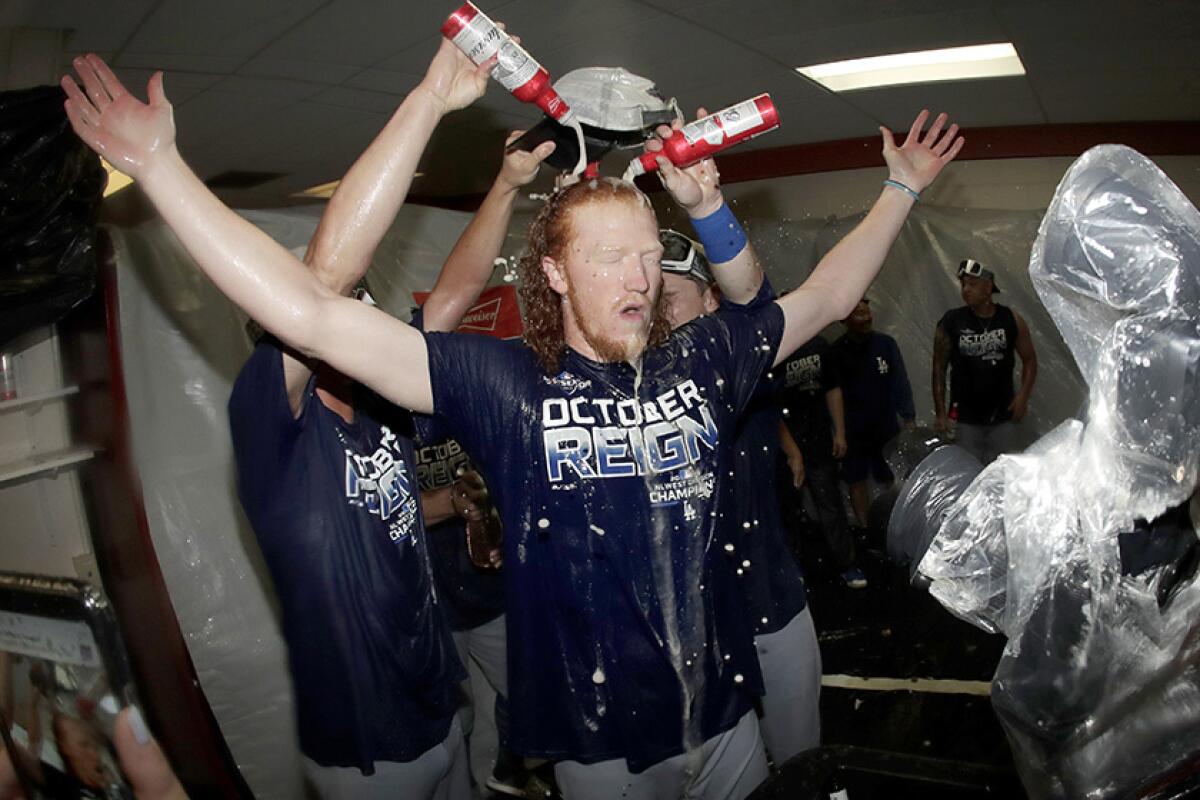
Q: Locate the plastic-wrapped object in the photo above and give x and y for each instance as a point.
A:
(910, 447)
(51, 186)
(1099, 686)
(616, 108)
(928, 491)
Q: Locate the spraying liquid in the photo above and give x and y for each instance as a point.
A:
(710, 135)
(683, 618)
(474, 33)
(580, 165)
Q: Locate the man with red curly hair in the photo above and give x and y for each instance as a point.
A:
(605, 437)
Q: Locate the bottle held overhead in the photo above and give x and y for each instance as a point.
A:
(479, 38)
(712, 134)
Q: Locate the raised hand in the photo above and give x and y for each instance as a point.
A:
(130, 134)
(696, 189)
(521, 166)
(920, 159)
(453, 80)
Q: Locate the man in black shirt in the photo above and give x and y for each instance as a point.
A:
(977, 341)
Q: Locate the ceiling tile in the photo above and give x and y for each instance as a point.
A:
(986, 103)
(361, 33)
(232, 29)
(94, 27)
(299, 69)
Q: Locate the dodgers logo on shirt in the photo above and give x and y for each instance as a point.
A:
(380, 482)
(605, 437)
(989, 345)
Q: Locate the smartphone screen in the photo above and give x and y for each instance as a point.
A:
(58, 701)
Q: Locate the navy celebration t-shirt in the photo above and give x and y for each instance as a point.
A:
(627, 632)
(875, 387)
(770, 576)
(471, 596)
(804, 378)
(335, 509)
(981, 364)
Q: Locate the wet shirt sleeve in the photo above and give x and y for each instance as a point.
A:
(474, 378)
(742, 346)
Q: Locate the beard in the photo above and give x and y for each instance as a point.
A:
(606, 348)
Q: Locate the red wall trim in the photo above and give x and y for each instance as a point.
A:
(1014, 141)
(1022, 141)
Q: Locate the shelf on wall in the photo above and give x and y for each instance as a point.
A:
(41, 463)
(35, 401)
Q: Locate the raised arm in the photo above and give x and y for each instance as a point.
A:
(697, 190)
(470, 264)
(1029, 368)
(842, 277)
(256, 273)
(941, 356)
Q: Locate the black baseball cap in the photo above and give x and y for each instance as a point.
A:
(971, 267)
(682, 256)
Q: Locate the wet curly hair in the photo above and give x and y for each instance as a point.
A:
(550, 233)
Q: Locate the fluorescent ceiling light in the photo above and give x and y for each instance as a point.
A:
(925, 66)
(325, 191)
(117, 180)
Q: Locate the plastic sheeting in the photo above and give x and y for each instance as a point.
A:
(919, 283)
(1098, 687)
(928, 492)
(182, 344)
(51, 185)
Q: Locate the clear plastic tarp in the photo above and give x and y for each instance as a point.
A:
(1082, 549)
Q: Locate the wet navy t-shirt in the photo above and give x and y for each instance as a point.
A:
(623, 606)
(334, 507)
(770, 576)
(471, 596)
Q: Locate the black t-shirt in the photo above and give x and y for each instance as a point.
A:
(804, 379)
(981, 364)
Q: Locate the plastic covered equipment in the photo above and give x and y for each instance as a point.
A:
(926, 495)
(616, 108)
(51, 186)
(1082, 550)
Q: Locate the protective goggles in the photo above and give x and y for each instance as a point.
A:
(682, 256)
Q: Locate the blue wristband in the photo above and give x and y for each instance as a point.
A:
(913, 193)
(721, 234)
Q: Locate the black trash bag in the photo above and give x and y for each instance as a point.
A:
(51, 186)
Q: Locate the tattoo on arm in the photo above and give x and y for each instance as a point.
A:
(941, 353)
